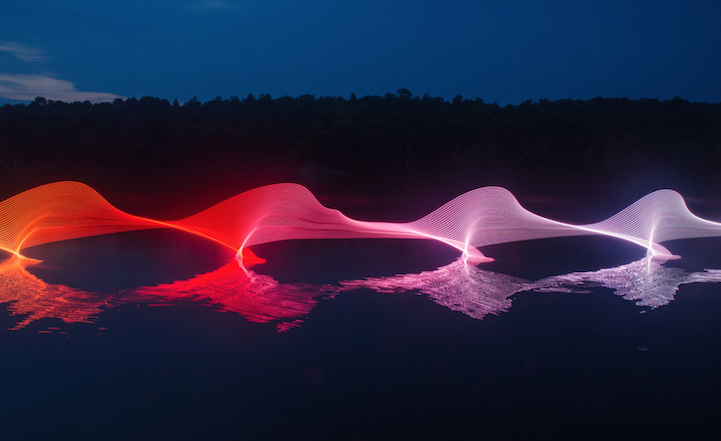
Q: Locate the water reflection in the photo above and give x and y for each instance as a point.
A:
(477, 293)
(458, 286)
(30, 296)
(644, 281)
(256, 297)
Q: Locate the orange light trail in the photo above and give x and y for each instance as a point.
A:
(71, 210)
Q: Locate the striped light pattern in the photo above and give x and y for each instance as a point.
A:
(482, 217)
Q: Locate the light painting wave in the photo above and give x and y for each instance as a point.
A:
(481, 217)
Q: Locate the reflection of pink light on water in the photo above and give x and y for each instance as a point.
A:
(458, 286)
(477, 293)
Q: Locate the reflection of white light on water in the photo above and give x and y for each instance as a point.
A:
(644, 281)
(477, 293)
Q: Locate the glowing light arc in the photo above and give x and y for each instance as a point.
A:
(481, 217)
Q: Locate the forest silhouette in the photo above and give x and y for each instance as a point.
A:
(153, 157)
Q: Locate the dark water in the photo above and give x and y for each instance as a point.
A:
(364, 364)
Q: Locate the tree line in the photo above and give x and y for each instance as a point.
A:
(370, 143)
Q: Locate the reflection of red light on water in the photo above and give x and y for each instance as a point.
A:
(258, 298)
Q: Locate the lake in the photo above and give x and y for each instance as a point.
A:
(147, 335)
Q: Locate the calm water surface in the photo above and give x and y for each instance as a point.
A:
(363, 364)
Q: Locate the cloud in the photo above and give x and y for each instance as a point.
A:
(22, 52)
(213, 5)
(28, 87)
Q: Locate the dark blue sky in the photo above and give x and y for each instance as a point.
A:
(506, 51)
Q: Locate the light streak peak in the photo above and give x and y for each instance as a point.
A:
(478, 218)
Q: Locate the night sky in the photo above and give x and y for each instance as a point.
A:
(504, 51)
